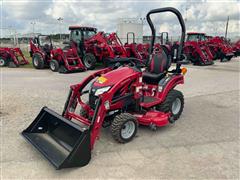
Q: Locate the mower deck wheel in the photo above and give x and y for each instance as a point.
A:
(3, 62)
(89, 60)
(173, 103)
(124, 127)
(37, 61)
(54, 65)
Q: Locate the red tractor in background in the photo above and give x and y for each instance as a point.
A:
(12, 57)
(135, 50)
(196, 49)
(220, 49)
(143, 49)
(170, 48)
(236, 48)
(165, 43)
(44, 55)
(96, 47)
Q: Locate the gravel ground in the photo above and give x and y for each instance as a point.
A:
(203, 144)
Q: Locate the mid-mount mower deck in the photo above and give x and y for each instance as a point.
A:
(121, 97)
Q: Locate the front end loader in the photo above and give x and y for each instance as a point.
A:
(196, 50)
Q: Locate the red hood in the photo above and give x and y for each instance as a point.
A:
(115, 76)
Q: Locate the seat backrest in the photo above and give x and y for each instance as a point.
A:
(159, 63)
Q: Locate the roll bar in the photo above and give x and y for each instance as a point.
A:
(133, 35)
(181, 21)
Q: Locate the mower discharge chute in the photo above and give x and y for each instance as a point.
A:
(12, 57)
(121, 97)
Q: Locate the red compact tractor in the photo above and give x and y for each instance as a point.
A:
(196, 49)
(63, 60)
(220, 49)
(143, 49)
(96, 47)
(12, 57)
(133, 49)
(122, 98)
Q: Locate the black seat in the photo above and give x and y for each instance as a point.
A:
(157, 68)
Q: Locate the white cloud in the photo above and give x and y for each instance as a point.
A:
(205, 16)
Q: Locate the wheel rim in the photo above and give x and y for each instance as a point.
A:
(128, 129)
(35, 61)
(87, 62)
(176, 106)
(2, 62)
(52, 66)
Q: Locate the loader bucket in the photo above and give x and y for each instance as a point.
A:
(64, 143)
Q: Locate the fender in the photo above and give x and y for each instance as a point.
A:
(39, 52)
(168, 83)
(164, 86)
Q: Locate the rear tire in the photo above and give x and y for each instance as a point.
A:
(54, 65)
(173, 103)
(124, 127)
(89, 61)
(37, 61)
(3, 62)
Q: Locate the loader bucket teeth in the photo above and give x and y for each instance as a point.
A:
(63, 143)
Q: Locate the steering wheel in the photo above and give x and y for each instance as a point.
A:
(46, 47)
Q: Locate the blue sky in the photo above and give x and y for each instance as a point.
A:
(205, 16)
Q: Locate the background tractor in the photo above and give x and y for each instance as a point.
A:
(196, 49)
(96, 46)
(12, 57)
(44, 55)
(220, 48)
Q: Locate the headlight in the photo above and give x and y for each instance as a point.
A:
(102, 90)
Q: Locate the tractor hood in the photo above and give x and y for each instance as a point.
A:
(113, 77)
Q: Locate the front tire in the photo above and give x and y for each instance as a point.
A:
(124, 127)
(38, 61)
(173, 103)
(54, 65)
(89, 61)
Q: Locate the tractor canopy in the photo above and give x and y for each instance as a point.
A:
(195, 36)
(84, 28)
